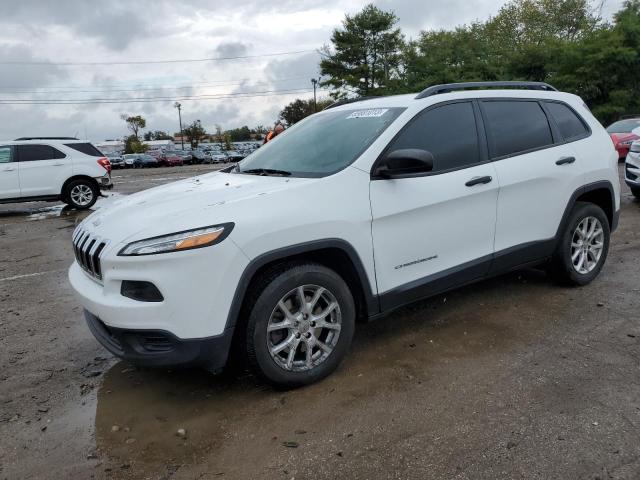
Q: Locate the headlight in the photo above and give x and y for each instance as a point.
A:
(175, 242)
(635, 147)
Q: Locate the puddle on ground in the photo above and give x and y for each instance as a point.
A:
(33, 212)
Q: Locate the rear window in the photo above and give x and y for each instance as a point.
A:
(516, 126)
(32, 153)
(85, 148)
(570, 125)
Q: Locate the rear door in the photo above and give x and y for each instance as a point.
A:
(43, 169)
(538, 172)
(9, 175)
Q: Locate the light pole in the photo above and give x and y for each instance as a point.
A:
(179, 106)
(314, 82)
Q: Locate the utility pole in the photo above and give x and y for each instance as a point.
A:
(179, 106)
(314, 82)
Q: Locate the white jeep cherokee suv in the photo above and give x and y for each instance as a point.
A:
(51, 169)
(349, 214)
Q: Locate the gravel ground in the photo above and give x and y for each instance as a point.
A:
(510, 378)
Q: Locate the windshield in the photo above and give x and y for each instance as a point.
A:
(624, 126)
(322, 144)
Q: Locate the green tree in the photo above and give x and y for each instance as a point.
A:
(227, 141)
(157, 135)
(194, 132)
(240, 134)
(132, 144)
(134, 124)
(365, 56)
(299, 109)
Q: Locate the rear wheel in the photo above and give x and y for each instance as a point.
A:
(583, 246)
(300, 325)
(81, 194)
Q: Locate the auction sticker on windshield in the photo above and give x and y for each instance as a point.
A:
(369, 113)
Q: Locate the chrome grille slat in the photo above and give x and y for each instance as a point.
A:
(87, 250)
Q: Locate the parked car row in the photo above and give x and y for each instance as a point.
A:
(206, 153)
(144, 160)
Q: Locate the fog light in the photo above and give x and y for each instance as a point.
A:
(141, 291)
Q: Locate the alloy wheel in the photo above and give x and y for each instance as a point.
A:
(81, 195)
(587, 245)
(304, 328)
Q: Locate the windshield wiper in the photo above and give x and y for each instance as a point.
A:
(265, 171)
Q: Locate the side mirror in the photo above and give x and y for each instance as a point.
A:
(405, 163)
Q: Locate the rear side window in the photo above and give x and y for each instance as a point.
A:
(5, 154)
(570, 125)
(85, 148)
(516, 126)
(448, 132)
(32, 153)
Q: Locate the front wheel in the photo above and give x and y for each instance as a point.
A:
(81, 194)
(300, 324)
(583, 246)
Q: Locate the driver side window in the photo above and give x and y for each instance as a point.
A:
(448, 132)
(5, 154)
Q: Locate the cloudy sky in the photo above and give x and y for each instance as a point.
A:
(74, 46)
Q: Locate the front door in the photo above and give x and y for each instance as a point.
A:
(433, 232)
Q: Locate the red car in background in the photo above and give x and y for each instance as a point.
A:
(622, 135)
(170, 160)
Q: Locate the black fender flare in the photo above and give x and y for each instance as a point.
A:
(371, 300)
(602, 184)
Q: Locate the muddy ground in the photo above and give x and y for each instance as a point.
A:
(505, 379)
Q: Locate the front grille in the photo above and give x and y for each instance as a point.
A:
(631, 176)
(87, 249)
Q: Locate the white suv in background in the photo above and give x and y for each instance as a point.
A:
(51, 169)
(632, 169)
(349, 214)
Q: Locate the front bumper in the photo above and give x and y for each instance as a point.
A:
(158, 348)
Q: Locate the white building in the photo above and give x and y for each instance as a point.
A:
(110, 146)
(160, 144)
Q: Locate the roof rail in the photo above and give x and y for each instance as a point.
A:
(452, 87)
(22, 139)
(350, 100)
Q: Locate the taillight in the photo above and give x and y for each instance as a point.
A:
(105, 163)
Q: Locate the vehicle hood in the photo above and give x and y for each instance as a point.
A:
(191, 203)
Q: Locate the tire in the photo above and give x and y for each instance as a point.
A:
(284, 369)
(636, 192)
(592, 218)
(81, 194)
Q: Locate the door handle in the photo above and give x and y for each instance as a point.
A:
(58, 164)
(478, 181)
(8, 170)
(566, 160)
